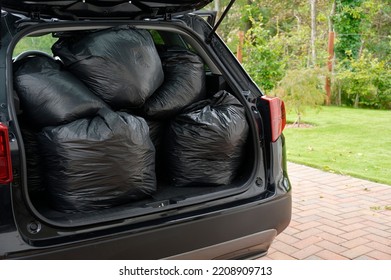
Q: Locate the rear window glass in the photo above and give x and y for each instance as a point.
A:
(41, 43)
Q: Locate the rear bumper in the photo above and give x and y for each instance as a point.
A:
(246, 247)
(237, 232)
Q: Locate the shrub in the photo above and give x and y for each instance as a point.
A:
(300, 89)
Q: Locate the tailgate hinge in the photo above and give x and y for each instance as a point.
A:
(252, 99)
(250, 96)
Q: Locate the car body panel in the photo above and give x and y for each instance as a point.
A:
(102, 8)
(172, 239)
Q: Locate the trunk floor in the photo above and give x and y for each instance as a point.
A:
(166, 194)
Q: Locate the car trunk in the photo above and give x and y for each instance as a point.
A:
(246, 180)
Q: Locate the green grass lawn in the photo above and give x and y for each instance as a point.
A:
(349, 141)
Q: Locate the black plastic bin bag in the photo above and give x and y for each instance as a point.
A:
(98, 163)
(121, 65)
(50, 95)
(184, 84)
(33, 162)
(205, 145)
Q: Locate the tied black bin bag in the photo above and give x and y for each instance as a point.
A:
(50, 95)
(184, 84)
(98, 163)
(205, 145)
(33, 161)
(121, 65)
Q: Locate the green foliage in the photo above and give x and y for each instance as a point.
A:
(233, 22)
(42, 43)
(278, 40)
(347, 24)
(262, 56)
(366, 82)
(300, 89)
(376, 27)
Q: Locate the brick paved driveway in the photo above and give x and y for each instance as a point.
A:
(335, 217)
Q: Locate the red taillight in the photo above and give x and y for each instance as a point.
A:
(277, 116)
(5, 156)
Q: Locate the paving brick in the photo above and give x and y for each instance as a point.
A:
(352, 227)
(330, 205)
(330, 255)
(331, 237)
(291, 231)
(307, 212)
(350, 215)
(332, 218)
(354, 234)
(366, 257)
(327, 245)
(383, 240)
(352, 220)
(272, 250)
(280, 256)
(356, 252)
(286, 238)
(308, 218)
(347, 200)
(311, 224)
(313, 257)
(337, 183)
(379, 247)
(303, 243)
(308, 207)
(375, 218)
(294, 223)
(379, 255)
(332, 230)
(308, 233)
(331, 223)
(331, 211)
(349, 209)
(355, 242)
(379, 232)
(306, 252)
(283, 247)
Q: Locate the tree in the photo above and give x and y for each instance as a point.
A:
(366, 83)
(376, 28)
(293, 35)
(300, 89)
(347, 24)
(262, 56)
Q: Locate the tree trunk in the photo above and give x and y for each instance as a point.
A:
(330, 18)
(339, 95)
(356, 101)
(239, 49)
(331, 58)
(330, 50)
(313, 32)
(217, 9)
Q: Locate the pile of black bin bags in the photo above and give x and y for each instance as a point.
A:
(95, 120)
